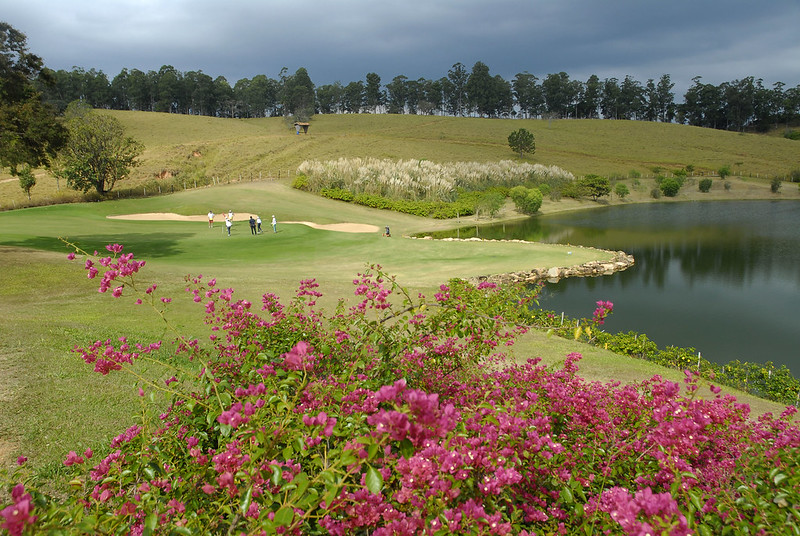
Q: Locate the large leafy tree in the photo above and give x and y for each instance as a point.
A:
(30, 133)
(98, 153)
(299, 95)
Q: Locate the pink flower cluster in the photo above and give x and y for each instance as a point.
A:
(604, 308)
(17, 516)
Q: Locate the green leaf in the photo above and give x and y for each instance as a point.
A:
(150, 523)
(245, 504)
(284, 516)
(406, 448)
(374, 480)
(277, 473)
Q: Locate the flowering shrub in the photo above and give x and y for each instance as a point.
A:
(399, 415)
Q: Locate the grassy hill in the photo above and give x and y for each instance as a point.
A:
(227, 150)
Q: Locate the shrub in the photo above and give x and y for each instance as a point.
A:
(655, 193)
(794, 175)
(527, 200)
(792, 134)
(300, 182)
(340, 194)
(775, 185)
(670, 187)
(705, 184)
(634, 174)
(727, 185)
(724, 172)
(621, 190)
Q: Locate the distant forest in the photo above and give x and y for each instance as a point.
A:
(738, 105)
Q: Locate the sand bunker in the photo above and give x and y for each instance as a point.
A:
(169, 216)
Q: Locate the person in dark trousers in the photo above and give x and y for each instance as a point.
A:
(228, 225)
(252, 225)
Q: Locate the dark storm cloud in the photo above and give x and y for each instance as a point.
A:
(343, 40)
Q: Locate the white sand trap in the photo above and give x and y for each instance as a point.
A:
(170, 216)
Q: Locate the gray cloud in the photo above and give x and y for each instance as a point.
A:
(719, 40)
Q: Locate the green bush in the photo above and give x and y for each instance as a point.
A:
(705, 185)
(527, 200)
(340, 194)
(621, 190)
(670, 187)
(655, 193)
(300, 182)
(775, 185)
(792, 135)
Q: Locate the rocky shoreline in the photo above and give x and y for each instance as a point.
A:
(619, 261)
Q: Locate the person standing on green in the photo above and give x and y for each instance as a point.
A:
(274, 224)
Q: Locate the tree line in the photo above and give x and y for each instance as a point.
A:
(735, 105)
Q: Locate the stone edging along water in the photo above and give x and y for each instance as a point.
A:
(619, 261)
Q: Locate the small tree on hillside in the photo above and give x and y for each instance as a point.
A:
(521, 141)
(27, 180)
(705, 185)
(621, 190)
(595, 186)
(724, 172)
(98, 153)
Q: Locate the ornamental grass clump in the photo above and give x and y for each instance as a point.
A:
(398, 414)
(422, 180)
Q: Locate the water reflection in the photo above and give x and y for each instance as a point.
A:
(723, 277)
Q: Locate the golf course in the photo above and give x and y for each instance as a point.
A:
(51, 402)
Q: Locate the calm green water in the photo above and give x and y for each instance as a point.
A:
(722, 277)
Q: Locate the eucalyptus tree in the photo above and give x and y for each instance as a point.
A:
(589, 105)
(397, 91)
(374, 97)
(415, 97)
(527, 94)
(329, 98)
(559, 94)
(432, 100)
(665, 99)
(353, 97)
(610, 98)
(457, 101)
(170, 97)
(298, 97)
(223, 98)
(632, 99)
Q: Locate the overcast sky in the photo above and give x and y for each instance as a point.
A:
(343, 40)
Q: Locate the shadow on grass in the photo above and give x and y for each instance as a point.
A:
(144, 245)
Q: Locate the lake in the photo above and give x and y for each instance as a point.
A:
(722, 277)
